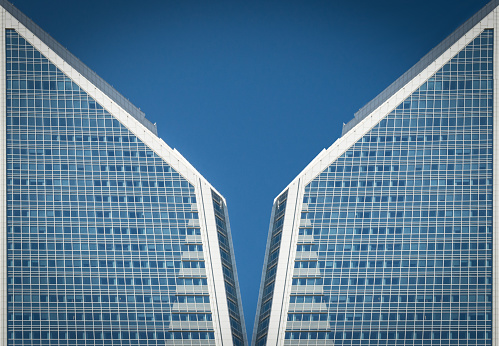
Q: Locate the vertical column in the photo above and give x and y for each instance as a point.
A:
(284, 271)
(234, 273)
(264, 274)
(214, 269)
(495, 202)
(3, 186)
(298, 207)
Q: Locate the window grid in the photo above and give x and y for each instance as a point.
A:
(395, 243)
(230, 284)
(104, 242)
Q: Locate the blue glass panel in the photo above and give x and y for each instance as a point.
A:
(104, 245)
(228, 270)
(396, 247)
(271, 270)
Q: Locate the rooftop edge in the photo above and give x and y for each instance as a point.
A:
(79, 66)
(419, 66)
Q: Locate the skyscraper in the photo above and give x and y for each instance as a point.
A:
(109, 236)
(386, 237)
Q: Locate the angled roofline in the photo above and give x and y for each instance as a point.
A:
(79, 66)
(420, 66)
(115, 103)
(182, 166)
(389, 99)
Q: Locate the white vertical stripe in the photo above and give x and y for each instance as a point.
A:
(495, 200)
(291, 222)
(234, 273)
(217, 274)
(264, 274)
(3, 187)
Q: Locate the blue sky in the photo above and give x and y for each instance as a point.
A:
(249, 92)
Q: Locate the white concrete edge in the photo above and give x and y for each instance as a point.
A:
(215, 273)
(284, 271)
(234, 272)
(300, 190)
(495, 192)
(307, 167)
(262, 280)
(3, 189)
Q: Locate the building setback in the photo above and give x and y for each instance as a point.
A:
(110, 237)
(386, 237)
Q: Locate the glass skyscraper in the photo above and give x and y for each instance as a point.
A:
(109, 236)
(386, 238)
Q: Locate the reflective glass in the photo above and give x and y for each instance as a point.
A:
(104, 244)
(271, 270)
(395, 243)
(228, 270)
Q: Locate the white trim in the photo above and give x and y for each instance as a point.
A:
(300, 191)
(264, 274)
(495, 193)
(234, 273)
(286, 258)
(215, 275)
(3, 187)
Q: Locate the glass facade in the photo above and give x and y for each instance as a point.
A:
(271, 270)
(395, 240)
(104, 243)
(228, 270)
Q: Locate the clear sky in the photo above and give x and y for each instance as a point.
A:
(249, 91)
